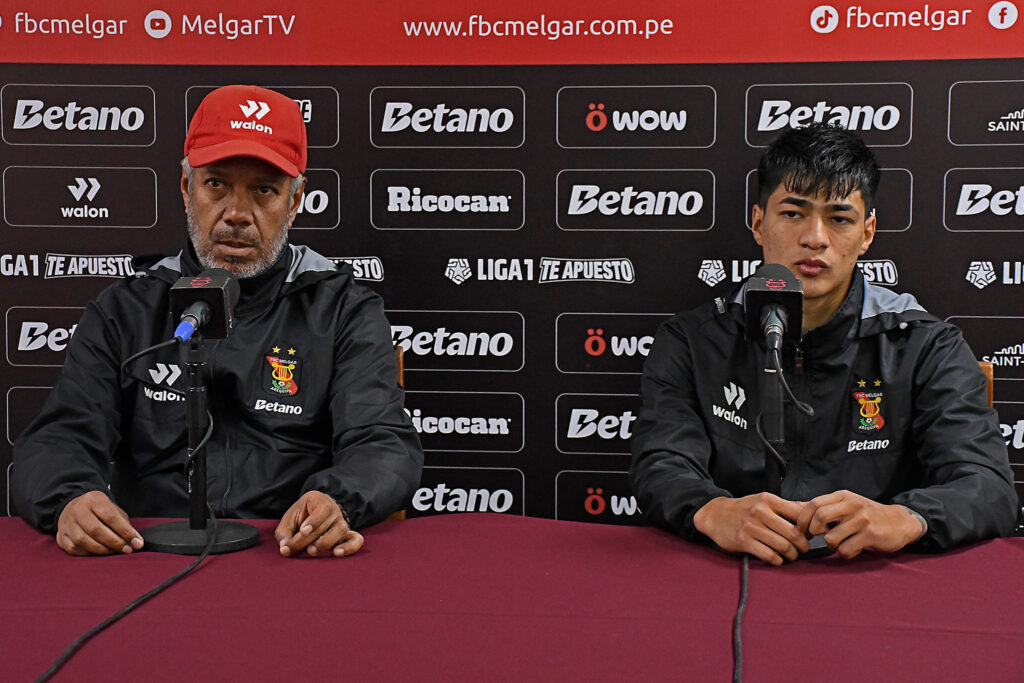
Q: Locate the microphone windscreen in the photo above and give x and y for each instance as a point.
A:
(216, 287)
(775, 284)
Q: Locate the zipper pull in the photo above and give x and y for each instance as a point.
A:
(798, 360)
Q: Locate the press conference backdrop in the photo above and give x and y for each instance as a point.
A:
(532, 194)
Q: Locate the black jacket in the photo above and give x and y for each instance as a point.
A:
(335, 425)
(936, 450)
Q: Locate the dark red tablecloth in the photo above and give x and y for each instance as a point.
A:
(494, 597)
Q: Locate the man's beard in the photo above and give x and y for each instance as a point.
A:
(268, 251)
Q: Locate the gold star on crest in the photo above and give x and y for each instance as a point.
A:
(291, 352)
(276, 349)
(861, 383)
(878, 382)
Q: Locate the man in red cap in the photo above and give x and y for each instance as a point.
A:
(308, 417)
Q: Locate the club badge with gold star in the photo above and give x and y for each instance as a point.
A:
(867, 406)
(281, 373)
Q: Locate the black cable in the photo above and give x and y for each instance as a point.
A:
(783, 467)
(737, 624)
(199, 446)
(804, 408)
(142, 380)
(73, 648)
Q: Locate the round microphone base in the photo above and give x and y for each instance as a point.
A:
(179, 538)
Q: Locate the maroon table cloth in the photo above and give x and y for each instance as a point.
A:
(495, 597)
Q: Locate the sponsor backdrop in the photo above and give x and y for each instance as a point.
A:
(531, 194)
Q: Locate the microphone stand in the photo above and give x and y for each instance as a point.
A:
(190, 538)
(773, 422)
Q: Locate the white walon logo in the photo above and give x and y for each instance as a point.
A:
(260, 109)
(78, 190)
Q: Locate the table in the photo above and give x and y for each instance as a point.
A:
(496, 597)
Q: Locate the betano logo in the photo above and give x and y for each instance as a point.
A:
(1015, 430)
(444, 499)
(36, 335)
(441, 118)
(646, 120)
(30, 114)
(586, 422)
(977, 198)
(627, 201)
(441, 342)
(778, 114)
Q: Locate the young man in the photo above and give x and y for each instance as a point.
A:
(902, 447)
(308, 422)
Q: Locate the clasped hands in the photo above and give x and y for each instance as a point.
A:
(774, 529)
(92, 524)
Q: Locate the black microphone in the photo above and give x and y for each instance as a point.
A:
(204, 301)
(773, 303)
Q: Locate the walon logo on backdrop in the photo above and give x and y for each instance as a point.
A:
(319, 105)
(468, 116)
(666, 116)
(67, 196)
(114, 115)
(460, 341)
(595, 423)
(596, 496)
(436, 199)
(640, 199)
(986, 113)
(984, 200)
(893, 205)
(38, 335)
(604, 343)
(321, 201)
(880, 113)
(998, 339)
(469, 489)
(467, 421)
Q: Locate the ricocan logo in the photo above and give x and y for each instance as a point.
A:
(158, 24)
(824, 19)
(597, 119)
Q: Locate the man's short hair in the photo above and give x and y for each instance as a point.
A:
(819, 158)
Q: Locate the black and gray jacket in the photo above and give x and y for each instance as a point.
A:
(303, 394)
(900, 416)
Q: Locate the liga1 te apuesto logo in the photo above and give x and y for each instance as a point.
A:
(867, 413)
(281, 374)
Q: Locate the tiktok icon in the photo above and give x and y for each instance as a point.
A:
(824, 19)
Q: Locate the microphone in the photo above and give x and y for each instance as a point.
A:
(204, 302)
(773, 304)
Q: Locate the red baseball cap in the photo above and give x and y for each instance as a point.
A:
(248, 121)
